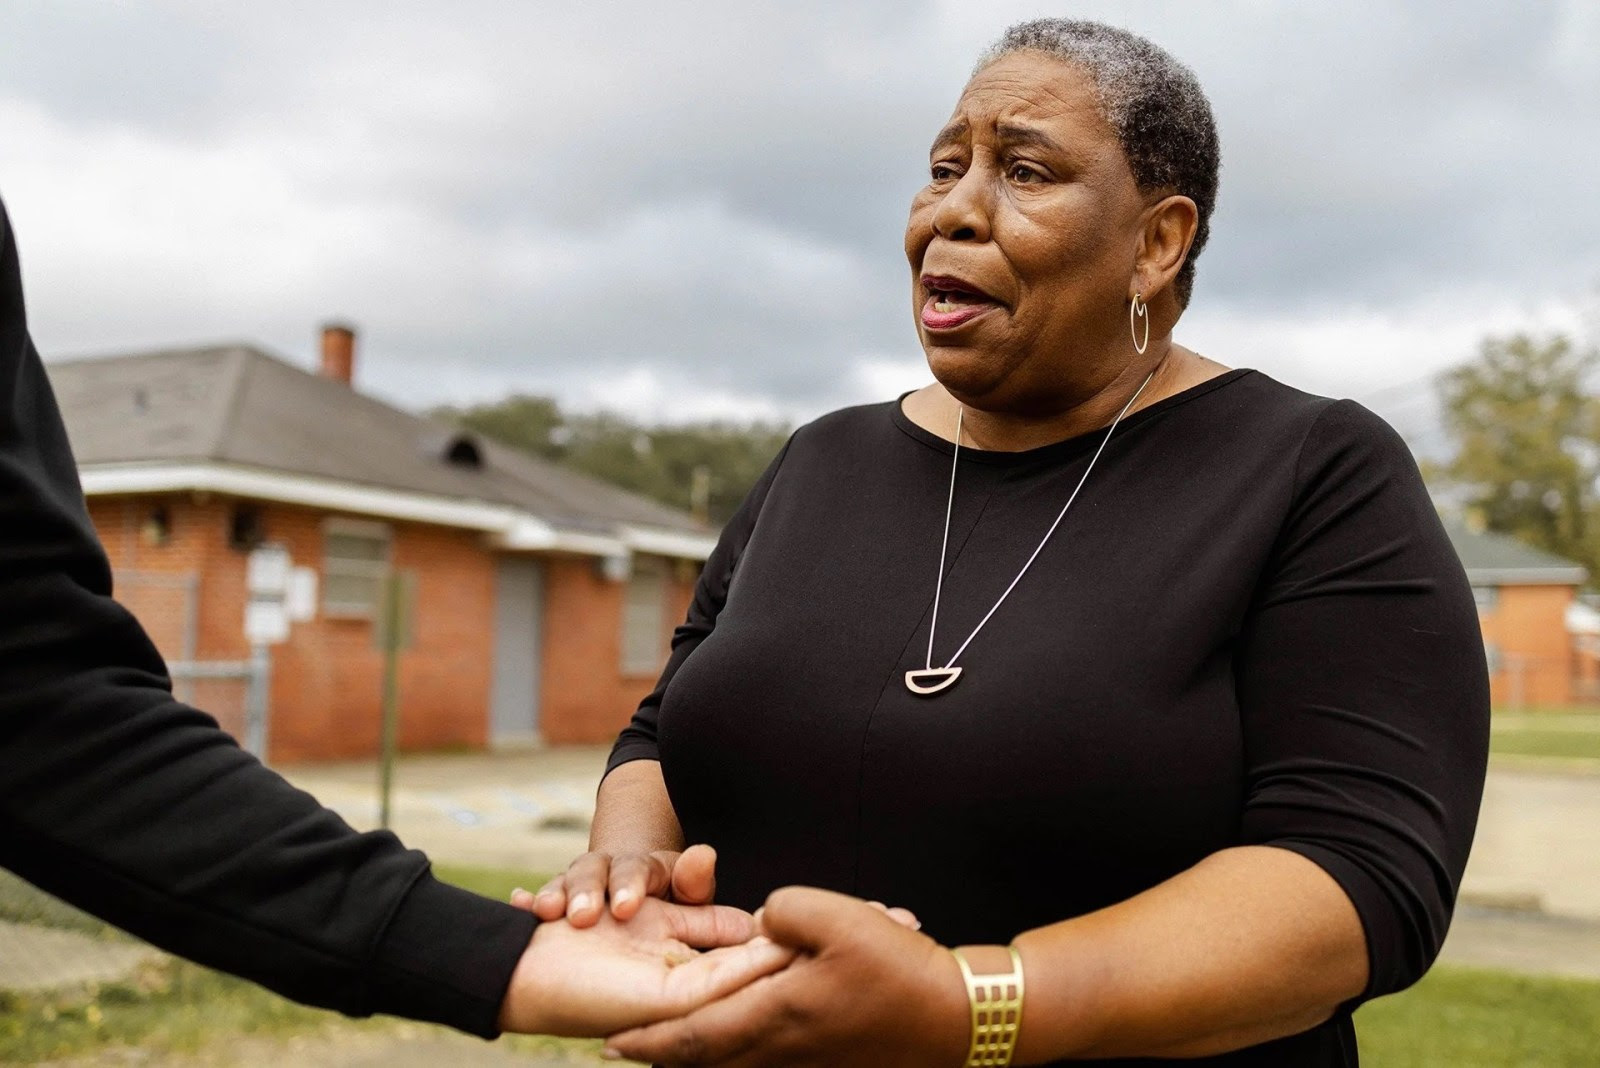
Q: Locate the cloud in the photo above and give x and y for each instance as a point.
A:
(698, 207)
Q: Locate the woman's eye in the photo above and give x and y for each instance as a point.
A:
(942, 172)
(1023, 174)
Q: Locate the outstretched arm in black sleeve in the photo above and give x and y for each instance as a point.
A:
(139, 809)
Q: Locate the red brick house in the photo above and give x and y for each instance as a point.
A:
(1524, 596)
(544, 600)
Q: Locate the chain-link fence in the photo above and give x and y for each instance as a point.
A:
(167, 605)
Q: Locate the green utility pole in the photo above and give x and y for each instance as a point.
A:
(393, 635)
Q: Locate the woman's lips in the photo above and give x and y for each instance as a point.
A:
(958, 312)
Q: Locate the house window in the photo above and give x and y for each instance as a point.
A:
(1486, 598)
(644, 617)
(355, 559)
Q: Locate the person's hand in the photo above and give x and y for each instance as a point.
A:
(610, 976)
(580, 893)
(689, 878)
(866, 990)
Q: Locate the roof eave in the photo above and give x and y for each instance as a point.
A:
(262, 484)
(510, 529)
(660, 541)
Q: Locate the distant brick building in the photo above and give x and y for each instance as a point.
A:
(544, 600)
(1524, 596)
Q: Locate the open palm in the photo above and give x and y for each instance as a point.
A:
(613, 976)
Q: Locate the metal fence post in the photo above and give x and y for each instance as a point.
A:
(393, 634)
(258, 703)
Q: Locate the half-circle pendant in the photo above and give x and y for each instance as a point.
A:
(925, 682)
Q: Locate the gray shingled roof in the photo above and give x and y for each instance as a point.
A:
(236, 404)
(1492, 559)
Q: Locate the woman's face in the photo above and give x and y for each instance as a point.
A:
(1022, 244)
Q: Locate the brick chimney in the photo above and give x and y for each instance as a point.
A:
(338, 352)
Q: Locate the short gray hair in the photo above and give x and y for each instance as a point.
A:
(1153, 102)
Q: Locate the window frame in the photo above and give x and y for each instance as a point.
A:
(656, 571)
(349, 567)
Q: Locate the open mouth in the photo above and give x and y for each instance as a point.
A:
(951, 302)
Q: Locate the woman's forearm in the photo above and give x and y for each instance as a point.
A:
(633, 813)
(1253, 943)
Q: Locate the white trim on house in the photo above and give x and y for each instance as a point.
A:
(539, 536)
(238, 481)
(509, 528)
(674, 543)
(525, 533)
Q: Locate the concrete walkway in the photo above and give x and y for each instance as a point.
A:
(528, 811)
(1538, 842)
(1537, 848)
(1525, 942)
(38, 959)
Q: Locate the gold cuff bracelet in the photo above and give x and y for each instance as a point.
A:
(996, 1002)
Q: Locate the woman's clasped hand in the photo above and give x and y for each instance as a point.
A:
(796, 999)
(864, 990)
(793, 998)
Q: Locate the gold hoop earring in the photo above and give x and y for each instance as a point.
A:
(1136, 311)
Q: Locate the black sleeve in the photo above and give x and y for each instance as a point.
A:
(1364, 693)
(141, 810)
(638, 739)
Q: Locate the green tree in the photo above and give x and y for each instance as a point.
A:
(702, 468)
(530, 423)
(1527, 442)
(717, 462)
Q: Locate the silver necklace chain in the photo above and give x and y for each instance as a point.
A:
(950, 672)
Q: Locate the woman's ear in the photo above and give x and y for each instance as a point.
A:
(1169, 228)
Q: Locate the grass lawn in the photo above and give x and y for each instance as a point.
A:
(21, 903)
(1546, 732)
(1466, 1018)
(177, 1009)
(1566, 712)
(1546, 742)
(490, 882)
(1462, 1018)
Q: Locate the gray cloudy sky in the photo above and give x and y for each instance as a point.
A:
(693, 209)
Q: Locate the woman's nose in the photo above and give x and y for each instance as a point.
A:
(963, 212)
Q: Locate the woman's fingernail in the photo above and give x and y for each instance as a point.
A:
(622, 897)
(582, 902)
(609, 1054)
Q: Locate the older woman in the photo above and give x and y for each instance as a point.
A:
(1154, 685)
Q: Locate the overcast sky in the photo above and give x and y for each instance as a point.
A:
(690, 209)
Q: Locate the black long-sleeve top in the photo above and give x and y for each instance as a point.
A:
(128, 804)
(1249, 629)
